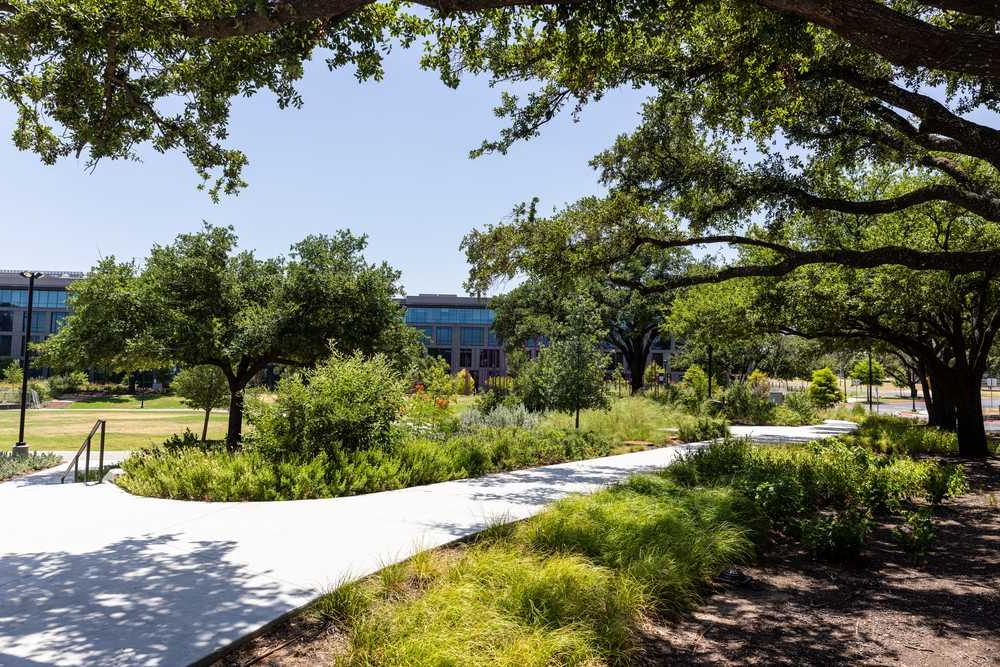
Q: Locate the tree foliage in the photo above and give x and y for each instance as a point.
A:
(824, 391)
(202, 388)
(200, 301)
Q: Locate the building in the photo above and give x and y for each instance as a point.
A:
(459, 329)
(48, 312)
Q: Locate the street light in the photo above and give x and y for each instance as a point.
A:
(21, 447)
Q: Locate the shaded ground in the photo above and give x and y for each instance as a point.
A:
(887, 610)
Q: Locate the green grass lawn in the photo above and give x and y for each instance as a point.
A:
(65, 429)
(126, 401)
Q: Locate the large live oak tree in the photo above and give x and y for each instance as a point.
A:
(200, 301)
(101, 77)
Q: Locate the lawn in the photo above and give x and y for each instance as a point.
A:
(65, 429)
(128, 402)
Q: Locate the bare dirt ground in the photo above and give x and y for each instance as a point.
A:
(886, 610)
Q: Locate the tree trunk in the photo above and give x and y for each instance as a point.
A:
(578, 417)
(131, 383)
(234, 431)
(925, 387)
(204, 428)
(969, 416)
(636, 361)
(941, 412)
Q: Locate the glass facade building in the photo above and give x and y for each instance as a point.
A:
(459, 330)
(49, 310)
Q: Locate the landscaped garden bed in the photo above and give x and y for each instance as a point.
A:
(15, 466)
(606, 578)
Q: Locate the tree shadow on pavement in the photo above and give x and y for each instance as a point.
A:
(149, 600)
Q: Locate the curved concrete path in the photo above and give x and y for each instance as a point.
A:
(90, 575)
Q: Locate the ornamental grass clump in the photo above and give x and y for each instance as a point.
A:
(12, 466)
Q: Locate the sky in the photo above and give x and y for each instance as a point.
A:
(388, 159)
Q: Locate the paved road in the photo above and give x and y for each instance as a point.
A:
(90, 575)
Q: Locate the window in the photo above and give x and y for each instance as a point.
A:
(428, 333)
(472, 336)
(18, 298)
(5, 343)
(440, 353)
(441, 315)
(465, 358)
(6, 320)
(39, 321)
(489, 358)
(493, 340)
(442, 335)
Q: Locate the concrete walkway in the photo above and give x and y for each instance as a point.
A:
(90, 575)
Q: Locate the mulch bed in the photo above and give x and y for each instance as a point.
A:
(886, 610)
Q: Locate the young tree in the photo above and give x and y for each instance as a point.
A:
(824, 389)
(568, 374)
(200, 302)
(203, 388)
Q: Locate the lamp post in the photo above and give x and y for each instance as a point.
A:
(21, 447)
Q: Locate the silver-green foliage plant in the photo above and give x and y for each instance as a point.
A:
(502, 416)
(346, 403)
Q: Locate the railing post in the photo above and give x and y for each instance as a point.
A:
(86, 464)
(76, 468)
(100, 464)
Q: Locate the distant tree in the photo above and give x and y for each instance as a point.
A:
(203, 388)
(12, 374)
(198, 301)
(823, 390)
(860, 371)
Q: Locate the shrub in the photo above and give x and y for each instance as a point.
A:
(797, 410)
(67, 384)
(652, 374)
(346, 403)
(838, 536)
(12, 466)
(502, 416)
(695, 382)
(823, 390)
(697, 429)
(916, 535)
(944, 481)
(747, 403)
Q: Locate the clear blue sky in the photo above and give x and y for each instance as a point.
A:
(388, 159)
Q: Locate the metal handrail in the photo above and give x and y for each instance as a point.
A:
(85, 447)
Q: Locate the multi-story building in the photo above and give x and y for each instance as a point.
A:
(459, 329)
(48, 312)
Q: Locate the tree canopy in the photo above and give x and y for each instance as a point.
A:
(100, 78)
(200, 301)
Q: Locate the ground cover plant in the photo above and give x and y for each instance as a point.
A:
(349, 427)
(576, 584)
(13, 466)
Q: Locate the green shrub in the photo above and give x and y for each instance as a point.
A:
(944, 481)
(916, 535)
(347, 403)
(698, 429)
(823, 389)
(13, 466)
(185, 469)
(839, 536)
(797, 410)
(67, 384)
(747, 403)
